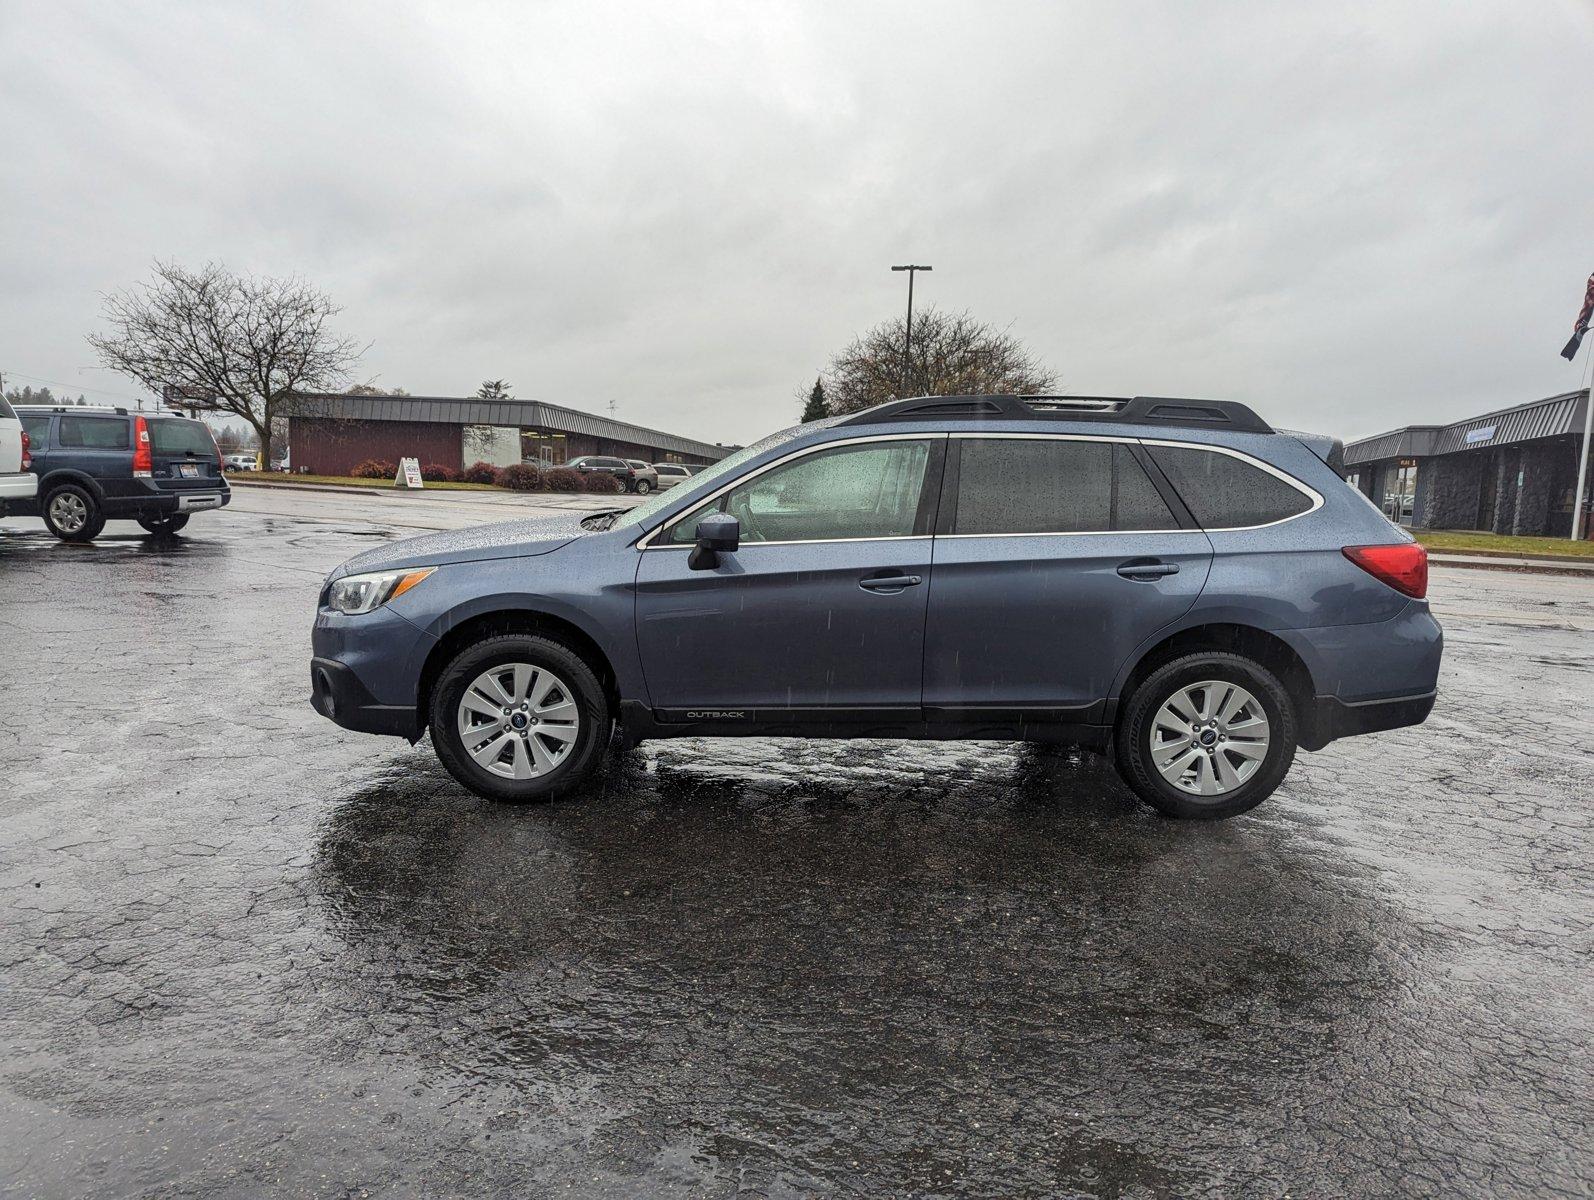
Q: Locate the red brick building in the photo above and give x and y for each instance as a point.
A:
(333, 432)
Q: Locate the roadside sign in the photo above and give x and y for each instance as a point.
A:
(409, 474)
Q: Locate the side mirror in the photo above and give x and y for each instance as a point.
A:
(716, 532)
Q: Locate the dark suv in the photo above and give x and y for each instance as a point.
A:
(636, 477)
(107, 464)
(1171, 582)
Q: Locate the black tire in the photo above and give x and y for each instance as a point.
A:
(171, 523)
(643, 487)
(72, 513)
(1140, 708)
(593, 724)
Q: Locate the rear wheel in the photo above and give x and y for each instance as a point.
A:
(72, 513)
(1210, 734)
(519, 718)
(170, 523)
(643, 487)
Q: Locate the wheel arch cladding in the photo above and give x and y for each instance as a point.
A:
(522, 621)
(68, 475)
(1268, 649)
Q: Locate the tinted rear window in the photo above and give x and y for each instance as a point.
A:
(38, 430)
(94, 433)
(1045, 485)
(1224, 492)
(172, 435)
(7, 411)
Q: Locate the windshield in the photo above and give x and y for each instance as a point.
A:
(642, 512)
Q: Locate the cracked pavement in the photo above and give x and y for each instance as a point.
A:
(248, 952)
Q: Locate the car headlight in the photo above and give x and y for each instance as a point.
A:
(355, 594)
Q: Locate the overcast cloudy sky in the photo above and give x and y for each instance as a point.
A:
(1351, 216)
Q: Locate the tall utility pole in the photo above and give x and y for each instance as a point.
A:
(907, 337)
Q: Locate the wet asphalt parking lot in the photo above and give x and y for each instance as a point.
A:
(247, 953)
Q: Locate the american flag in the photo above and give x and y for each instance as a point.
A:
(1581, 326)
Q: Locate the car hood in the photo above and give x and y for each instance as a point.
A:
(507, 539)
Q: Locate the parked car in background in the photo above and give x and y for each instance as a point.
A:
(17, 480)
(108, 464)
(622, 470)
(1170, 582)
(646, 477)
(671, 474)
(239, 462)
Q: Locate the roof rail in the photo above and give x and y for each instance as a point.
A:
(1139, 410)
(74, 408)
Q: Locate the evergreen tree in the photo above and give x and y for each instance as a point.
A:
(815, 408)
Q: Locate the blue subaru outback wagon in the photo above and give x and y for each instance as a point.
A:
(1171, 582)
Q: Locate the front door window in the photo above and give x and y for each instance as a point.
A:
(864, 491)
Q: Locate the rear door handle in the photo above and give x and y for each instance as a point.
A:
(890, 583)
(1147, 569)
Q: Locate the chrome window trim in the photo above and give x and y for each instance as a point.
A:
(646, 541)
(1316, 497)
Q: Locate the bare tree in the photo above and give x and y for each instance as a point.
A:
(952, 355)
(226, 343)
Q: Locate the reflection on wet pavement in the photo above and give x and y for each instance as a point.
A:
(250, 952)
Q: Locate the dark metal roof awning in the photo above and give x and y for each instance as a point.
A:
(1550, 417)
(469, 410)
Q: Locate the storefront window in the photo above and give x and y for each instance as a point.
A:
(498, 445)
(1400, 501)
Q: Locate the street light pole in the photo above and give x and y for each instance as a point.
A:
(907, 337)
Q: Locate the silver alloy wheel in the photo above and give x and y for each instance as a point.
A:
(1209, 738)
(518, 721)
(68, 512)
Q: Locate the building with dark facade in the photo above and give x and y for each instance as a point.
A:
(1513, 471)
(330, 433)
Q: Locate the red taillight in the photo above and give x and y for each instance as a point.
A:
(1403, 566)
(143, 465)
(27, 452)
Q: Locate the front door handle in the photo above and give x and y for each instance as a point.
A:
(1145, 568)
(889, 583)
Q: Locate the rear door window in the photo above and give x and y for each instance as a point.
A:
(175, 436)
(1051, 485)
(94, 433)
(1225, 492)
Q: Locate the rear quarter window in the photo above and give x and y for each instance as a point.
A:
(7, 413)
(38, 429)
(1224, 492)
(94, 433)
(175, 436)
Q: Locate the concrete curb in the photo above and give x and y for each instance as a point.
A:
(1518, 566)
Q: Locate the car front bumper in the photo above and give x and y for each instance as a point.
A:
(366, 670)
(338, 695)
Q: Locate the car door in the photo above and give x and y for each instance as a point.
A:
(820, 611)
(1055, 556)
(99, 446)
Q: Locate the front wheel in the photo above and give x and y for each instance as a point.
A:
(519, 718)
(1210, 734)
(72, 513)
(171, 523)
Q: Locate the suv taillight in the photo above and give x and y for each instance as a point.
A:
(27, 452)
(143, 464)
(1403, 566)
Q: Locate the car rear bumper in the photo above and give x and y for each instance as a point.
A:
(17, 485)
(1333, 718)
(338, 695)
